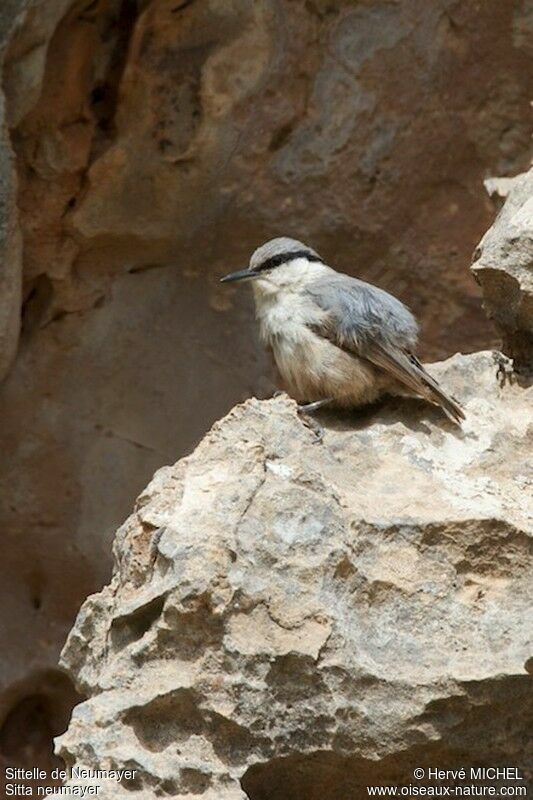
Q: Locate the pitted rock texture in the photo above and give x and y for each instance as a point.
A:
(296, 619)
(503, 266)
(145, 149)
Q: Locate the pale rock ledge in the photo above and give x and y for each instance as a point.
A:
(296, 619)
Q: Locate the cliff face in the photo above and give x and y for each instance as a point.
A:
(503, 266)
(295, 619)
(10, 240)
(145, 149)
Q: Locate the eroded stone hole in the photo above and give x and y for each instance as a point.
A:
(475, 729)
(38, 298)
(166, 720)
(27, 730)
(117, 28)
(104, 95)
(40, 710)
(131, 627)
(36, 586)
(327, 775)
(281, 136)
(194, 781)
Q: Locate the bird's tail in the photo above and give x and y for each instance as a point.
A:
(409, 372)
(436, 395)
(451, 407)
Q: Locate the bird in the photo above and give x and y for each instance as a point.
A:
(335, 339)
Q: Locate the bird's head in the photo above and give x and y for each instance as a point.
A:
(279, 262)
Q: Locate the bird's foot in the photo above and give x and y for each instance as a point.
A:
(315, 427)
(306, 409)
(505, 373)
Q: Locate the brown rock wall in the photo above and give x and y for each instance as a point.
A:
(147, 148)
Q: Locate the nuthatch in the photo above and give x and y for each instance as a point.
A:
(335, 339)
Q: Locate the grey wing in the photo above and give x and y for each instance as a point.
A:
(361, 315)
(373, 324)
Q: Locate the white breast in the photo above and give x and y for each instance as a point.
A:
(311, 366)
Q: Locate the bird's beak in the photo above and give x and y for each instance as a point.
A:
(241, 275)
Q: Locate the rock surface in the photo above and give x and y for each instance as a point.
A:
(10, 240)
(147, 148)
(503, 266)
(295, 619)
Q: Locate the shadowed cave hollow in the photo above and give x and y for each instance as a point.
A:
(34, 712)
(329, 776)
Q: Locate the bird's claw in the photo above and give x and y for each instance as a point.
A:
(308, 408)
(505, 373)
(305, 409)
(314, 426)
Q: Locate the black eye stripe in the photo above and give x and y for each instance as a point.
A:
(284, 258)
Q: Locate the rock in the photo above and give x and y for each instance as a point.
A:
(148, 147)
(499, 188)
(503, 266)
(294, 619)
(10, 255)
(10, 242)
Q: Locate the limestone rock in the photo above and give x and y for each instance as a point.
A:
(148, 147)
(296, 619)
(503, 265)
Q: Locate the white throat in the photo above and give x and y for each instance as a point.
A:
(289, 278)
(283, 307)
